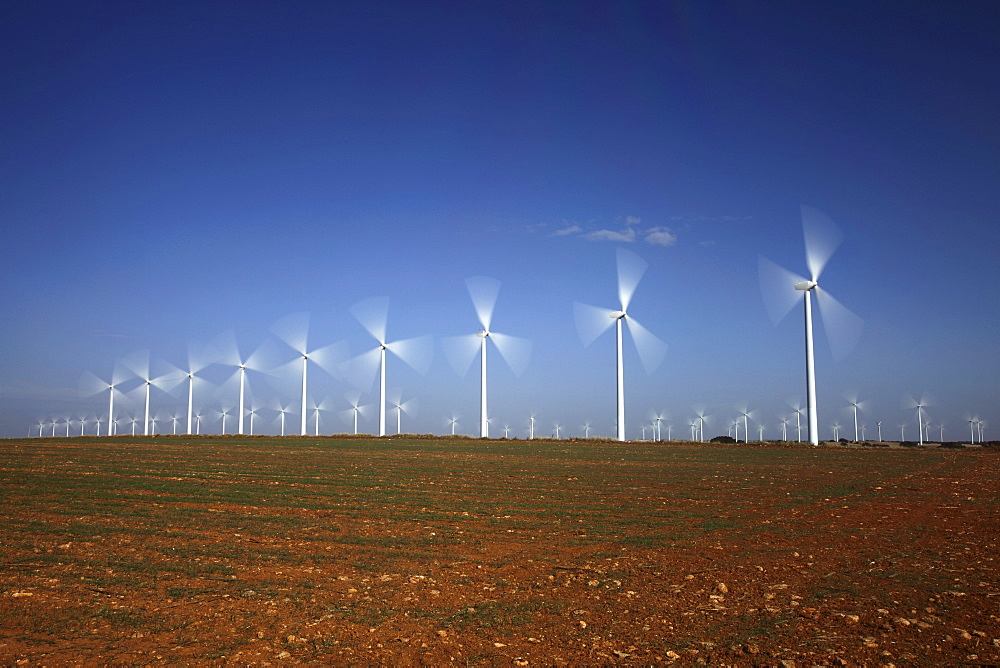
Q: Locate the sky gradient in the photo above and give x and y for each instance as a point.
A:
(172, 171)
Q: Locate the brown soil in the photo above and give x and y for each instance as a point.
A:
(451, 551)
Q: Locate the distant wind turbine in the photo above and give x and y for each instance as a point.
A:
(856, 405)
(920, 405)
(778, 288)
(462, 349)
(592, 321)
(373, 314)
(293, 329)
(138, 363)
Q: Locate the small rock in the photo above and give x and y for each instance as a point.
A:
(284, 655)
(442, 633)
(721, 588)
(582, 624)
(787, 663)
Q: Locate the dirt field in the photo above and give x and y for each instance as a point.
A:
(417, 551)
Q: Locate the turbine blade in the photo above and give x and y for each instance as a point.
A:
(416, 352)
(591, 321)
(90, 384)
(515, 351)
(138, 363)
(264, 358)
(822, 237)
(197, 357)
(843, 328)
(484, 291)
(777, 288)
(460, 351)
(373, 314)
(651, 348)
(224, 350)
(293, 329)
(411, 407)
(360, 371)
(631, 267)
(329, 357)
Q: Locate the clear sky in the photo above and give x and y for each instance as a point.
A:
(171, 171)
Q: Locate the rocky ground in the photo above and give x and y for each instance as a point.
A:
(432, 553)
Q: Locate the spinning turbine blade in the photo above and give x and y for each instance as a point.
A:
(361, 370)
(591, 321)
(822, 237)
(650, 347)
(293, 329)
(631, 267)
(373, 314)
(484, 291)
(416, 352)
(461, 351)
(514, 350)
(843, 327)
(777, 289)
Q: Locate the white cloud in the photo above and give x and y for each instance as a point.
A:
(567, 231)
(660, 236)
(627, 235)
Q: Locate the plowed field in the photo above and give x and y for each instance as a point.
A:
(420, 551)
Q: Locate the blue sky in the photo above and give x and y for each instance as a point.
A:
(172, 171)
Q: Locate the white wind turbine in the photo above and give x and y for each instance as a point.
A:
(779, 290)
(592, 321)
(453, 420)
(700, 416)
(353, 398)
(90, 385)
(373, 314)
(138, 363)
(226, 352)
(852, 399)
(409, 407)
(921, 406)
(293, 329)
(282, 410)
(531, 426)
(462, 350)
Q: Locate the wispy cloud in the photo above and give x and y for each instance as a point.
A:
(630, 231)
(567, 231)
(626, 235)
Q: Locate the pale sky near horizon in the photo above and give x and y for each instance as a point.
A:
(172, 171)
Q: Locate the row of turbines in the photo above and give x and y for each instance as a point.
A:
(780, 289)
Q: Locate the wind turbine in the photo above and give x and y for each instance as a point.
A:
(699, 412)
(90, 385)
(409, 407)
(836, 431)
(138, 364)
(592, 321)
(293, 329)
(373, 314)
(557, 428)
(282, 409)
(852, 399)
(747, 416)
(784, 428)
(586, 430)
(778, 289)
(531, 427)
(920, 406)
(353, 398)
(225, 351)
(452, 421)
(461, 350)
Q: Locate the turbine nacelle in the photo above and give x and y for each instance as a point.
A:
(483, 334)
(617, 315)
(806, 285)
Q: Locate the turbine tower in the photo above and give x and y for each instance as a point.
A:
(373, 314)
(462, 350)
(592, 321)
(843, 328)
